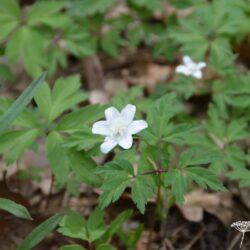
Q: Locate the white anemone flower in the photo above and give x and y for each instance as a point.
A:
(118, 128)
(190, 68)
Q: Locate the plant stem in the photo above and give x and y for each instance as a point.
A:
(243, 234)
(90, 246)
(158, 199)
(157, 171)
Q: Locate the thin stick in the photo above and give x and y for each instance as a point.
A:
(50, 190)
(233, 242)
(195, 239)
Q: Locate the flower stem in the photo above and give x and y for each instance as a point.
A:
(157, 171)
(242, 238)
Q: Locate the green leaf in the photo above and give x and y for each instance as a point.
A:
(82, 139)
(95, 225)
(236, 130)
(80, 42)
(73, 225)
(178, 183)
(155, 5)
(242, 175)
(18, 145)
(141, 190)
(57, 156)
(204, 178)
(40, 232)
(196, 156)
(32, 55)
(66, 94)
(179, 134)
(87, 7)
(26, 118)
(18, 106)
(160, 112)
(105, 247)
(15, 209)
(47, 13)
(117, 222)
(110, 43)
(76, 119)
(113, 190)
(72, 247)
(9, 18)
(84, 167)
(43, 100)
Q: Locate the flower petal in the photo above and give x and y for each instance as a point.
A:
(101, 128)
(111, 113)
(197, 74)
(128, 113)
(187, 60)
(201, 65)
(183, 70)
(126, 141)
(137, 126)
(108, 145)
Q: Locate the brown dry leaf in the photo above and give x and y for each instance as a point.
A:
(218, 204)
(143, 241)
(169, 9)
(153, 75)
(98, 96)
(193, 213)
(113, 85)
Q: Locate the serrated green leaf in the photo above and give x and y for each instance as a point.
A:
(65, 95)
(197, 156)
(160, 112)
(73, 225)
(178, 183)
(113, 190)
(141, 190)
(204, 178)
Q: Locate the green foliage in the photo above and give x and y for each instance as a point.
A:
(198, 129)
(40, 232)
(14, 208)
(64, 95)
(117, 176)
(19, 105)
(92, 230)
(9, 18)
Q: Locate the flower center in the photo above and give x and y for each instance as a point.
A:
(118, 128)
(192, 67)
